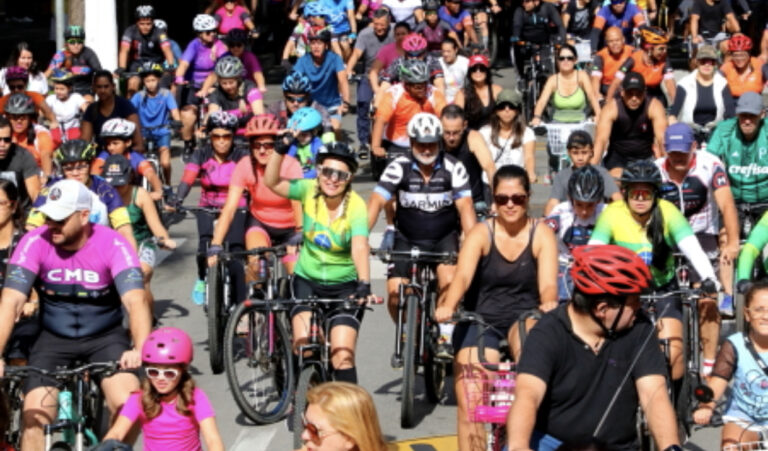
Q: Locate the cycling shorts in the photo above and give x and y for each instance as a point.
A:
(671, 307)
(616, 160)
(448, 243)
(275, 236)
(148, 253)
(466, 335)
(305, 288)
(25, 331)
(161, 137)
(51, 352)
(333, 111)
(341, 37)
(187, 96)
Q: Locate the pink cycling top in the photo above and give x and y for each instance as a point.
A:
(231, 21)
(202, 59)
(214, 176)
(266, 206)
(79, 291)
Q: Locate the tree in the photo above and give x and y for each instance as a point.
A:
(76, 12)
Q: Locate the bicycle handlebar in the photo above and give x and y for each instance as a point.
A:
(415, 254)
(279, 251)
(92, 368)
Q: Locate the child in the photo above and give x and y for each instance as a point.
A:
(67, 106)
(742, 359)
(315, 17)
(172, 411)
(116, 134)
(306, 124)
(145, 220)
(155, 105)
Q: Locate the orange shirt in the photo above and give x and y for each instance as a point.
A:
(740, 84)
(608, 64)
(652, 73)
(43, 142)
(397, 107)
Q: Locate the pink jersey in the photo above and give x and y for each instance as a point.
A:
(170, 431)
(214, 175)
(230, 21)
(266, 206)
(387, 54)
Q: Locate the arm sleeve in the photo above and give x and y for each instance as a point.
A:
(132, 407)
(460, 181)
(297, 188)
(602, 232)
(757, 240)
(124, 266)
(679, 99)
(390, 180)
(695, 254)
(25, 263)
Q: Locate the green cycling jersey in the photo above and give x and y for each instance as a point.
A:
(757, 240)
(745, 162)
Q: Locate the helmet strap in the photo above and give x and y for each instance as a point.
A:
(609, 332)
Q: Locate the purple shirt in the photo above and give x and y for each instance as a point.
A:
(201, 59)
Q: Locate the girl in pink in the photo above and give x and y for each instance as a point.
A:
(172, 411)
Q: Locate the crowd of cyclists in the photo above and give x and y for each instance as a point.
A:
(649, 171)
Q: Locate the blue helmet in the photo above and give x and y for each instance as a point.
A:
(296, 83)
(305, 119)
(315, 8)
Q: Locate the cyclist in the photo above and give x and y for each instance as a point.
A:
(315, 18)
(232, 15)
(306, 123)
(624, 125)
(74, 160)
(156, 107)
(327, 76)
(18, 166)
(569, 90)
(459, 20)
(67, 106)
(234, 94)
(145, 219)
(273, 220)
(236, 41)
(577, 359)
(108, 106)
(737, 142)
(27, 133)
(415, 48)
(707, 19)
(407, 11)
(200, 56)
(398, 105)
(117, 134)
(507, 266)
(333, 262)
(710, 99)
(214, 164)
(433, 204)
(651, 226)
(650, 61)
(16, 81)
(479, 94)
(625, 15)
(68, 261)
(387, 54)
(574, 219)
(455, 68)
(468, 146)
(580, 152)
(434, 28)
(608, 60)
(142, 42)
(296, 95)
(341, 18)
(77, 59)
(744, 73)
(578, 17)
(535, 22)
(697, 184)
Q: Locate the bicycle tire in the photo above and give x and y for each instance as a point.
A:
(60, 446)
(498, 437)
(275, 365)
(530, 98)
(310, 376)
(435, 370)
(410, 329)
(684, 400)
(215, 317)
(99, 422)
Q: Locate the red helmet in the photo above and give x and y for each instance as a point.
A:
(609, 269)
(739, 43)
(262, 125)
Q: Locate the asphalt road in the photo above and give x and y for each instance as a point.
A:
(173, 283)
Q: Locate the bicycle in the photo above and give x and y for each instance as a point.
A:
(749, 216)
(80, 416)
(537, 67)
(314, 357)
(705, 395)
(257, 344)
(557, 134)
(490, 46)
(416, 340)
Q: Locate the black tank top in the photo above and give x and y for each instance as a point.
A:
(502, 290)
(474, 170)
(632, 132)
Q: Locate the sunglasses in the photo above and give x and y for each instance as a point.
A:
(17, 117)
(506, 106)
(168, 374)
(218, 136)
(566, 58)
(236, 44)
(298, 99)
(335, 174)
(478, 68)
(17, 86)
(74, 41)
(640, 194)
(315, 434)
(707, 62)
(75, 167)
(256, 145)
(503, 199)
(6, 139)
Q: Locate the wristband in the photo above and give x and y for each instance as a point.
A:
(391, 227)
(178, 80)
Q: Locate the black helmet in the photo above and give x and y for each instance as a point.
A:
(75, 150)
(236, 36)
(74, 31)
(641, 171)
(144, 12)
(20, 103)
(340, 151)
(586, 185)
(150, 68)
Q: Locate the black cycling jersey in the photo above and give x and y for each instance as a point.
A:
(145, 48)
(426, 210)
(580, 23)
(227, 103)
(538, 25)
(474, 170)
(631, 135)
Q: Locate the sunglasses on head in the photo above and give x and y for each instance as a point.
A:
(297, 99)
(566, 58)
(640, 194)
(160, 373)
(315, 434)
(516, 199)
(256, 145)
(335, 174)
(74, 41)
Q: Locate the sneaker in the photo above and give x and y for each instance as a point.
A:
(726, 306)
(198, 293)
(364, 152)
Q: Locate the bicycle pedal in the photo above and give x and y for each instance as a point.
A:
(396, 362)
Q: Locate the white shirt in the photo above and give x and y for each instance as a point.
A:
(67, 112)
(403, 10)
(37, 83)
(506, 154)
(454, 74)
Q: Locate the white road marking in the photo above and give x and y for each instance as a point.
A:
(254, 439)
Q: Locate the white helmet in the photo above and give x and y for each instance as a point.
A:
(204, 22)
(118, 128)
(425, 128)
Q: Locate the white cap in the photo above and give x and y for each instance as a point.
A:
(64, 198)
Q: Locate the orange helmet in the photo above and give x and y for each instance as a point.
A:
(653, 35)
(739, 43)
(262, 125)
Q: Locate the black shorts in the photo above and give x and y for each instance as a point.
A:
(671, 307)
(24, 334)
(305, 288)
(51, 352)
(277, 236)
(465, 335)
(616, 160)
(448, 243)
(186, 96)
(709, 243)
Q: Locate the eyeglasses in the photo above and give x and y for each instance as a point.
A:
(75, 167)
(296, 99)
(221, 136)
(503, 199)
(168, 374)
(335, 174)
(74, 41)
(758, 311)
(315, 433)
(6, 139)
(256, 145)
(566, 58)
(641, 194)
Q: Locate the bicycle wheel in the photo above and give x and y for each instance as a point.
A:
(216, 317)
(98, 421)
(435, 369)
(498, 436)
(738, 312)
(259, 364)
(409, 361)
(310, 376)
(12, 399)
(684, 401)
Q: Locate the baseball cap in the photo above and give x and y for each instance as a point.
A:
(617, 2)
(750, 103)
(633, 80)
(678, 138)
(64, 198)
(706, 52)
(579, 138)
(481, 60)
(511, 96)
(117, 170)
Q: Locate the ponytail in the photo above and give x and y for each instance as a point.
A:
(655, 233)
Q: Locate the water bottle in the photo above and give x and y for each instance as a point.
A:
(66, 413)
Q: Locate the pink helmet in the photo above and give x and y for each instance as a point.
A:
(16, 73)
(414, 42)
(167, 345)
